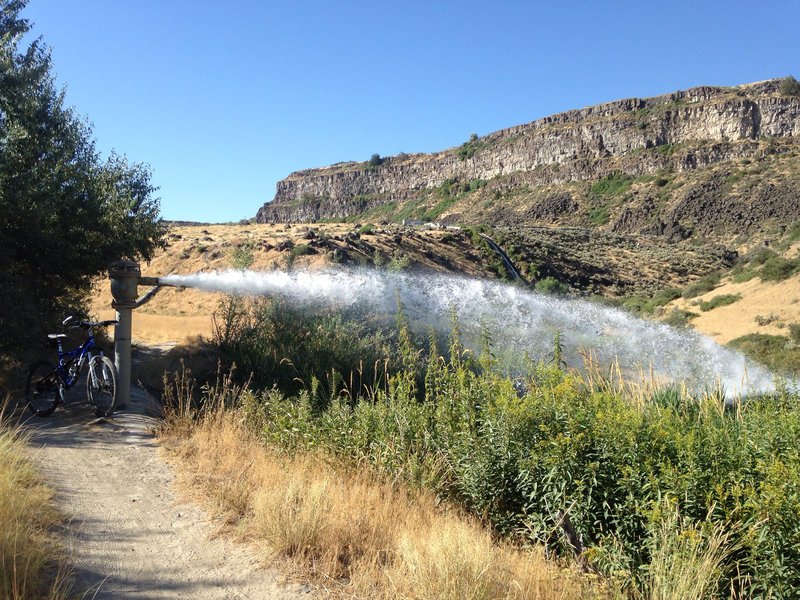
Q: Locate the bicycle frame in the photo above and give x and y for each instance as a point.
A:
(47, 382)
(82, 354)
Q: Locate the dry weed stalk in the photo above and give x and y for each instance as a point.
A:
(686, 563)
(636, 388)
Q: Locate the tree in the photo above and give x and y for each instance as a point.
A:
(65, 214)
(790, 86)
(375, 160)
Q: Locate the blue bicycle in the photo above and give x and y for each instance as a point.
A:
(48, 381)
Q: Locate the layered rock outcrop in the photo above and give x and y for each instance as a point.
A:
(565, 147)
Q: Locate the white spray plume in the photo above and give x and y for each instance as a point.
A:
(517, 319)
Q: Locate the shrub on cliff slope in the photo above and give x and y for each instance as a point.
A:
(790, 87)
(65, 213)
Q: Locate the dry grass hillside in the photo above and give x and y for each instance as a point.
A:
(738, 302)
(176, 314)
(765, 307)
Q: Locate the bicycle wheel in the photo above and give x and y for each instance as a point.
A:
(43, 390)
(102, 388)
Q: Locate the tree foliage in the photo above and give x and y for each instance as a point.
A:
(790, 86)
(65, 213)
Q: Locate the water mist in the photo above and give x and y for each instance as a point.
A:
(518, 320)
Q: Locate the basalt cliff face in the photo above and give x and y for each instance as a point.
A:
(546, 171)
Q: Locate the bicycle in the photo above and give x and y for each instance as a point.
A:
(48, 381)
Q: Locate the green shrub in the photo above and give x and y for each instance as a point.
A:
(469, 148)
(679, 317)
(759, 255)
(763, 320)
(703, 285)
(302, 250)
(475, 184)
(599, 215)
(793, 232)
(375, 161)
(399, 262)
(639, 305)
(299, 250)
(716, 301)
(242, 256)
(778, 268)
(615, 184)
(740, 274)
(277, 344)
(367, 229)
(794, 332)
(789, 86)
(776, 352)
(665, 296)
(552, 286)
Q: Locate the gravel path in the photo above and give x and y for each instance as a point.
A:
(129, 536)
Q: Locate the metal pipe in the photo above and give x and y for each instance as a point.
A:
(150, 281)
(122, 355)
(126, 276)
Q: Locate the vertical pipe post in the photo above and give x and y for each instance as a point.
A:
(124, 275)
(122, 355)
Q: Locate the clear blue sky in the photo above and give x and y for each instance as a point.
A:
(223, 99)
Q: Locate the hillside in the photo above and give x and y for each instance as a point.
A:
(649, 276)
(709, 162)
(605, 263)
(661, 205)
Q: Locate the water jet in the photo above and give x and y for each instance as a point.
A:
(520, 322)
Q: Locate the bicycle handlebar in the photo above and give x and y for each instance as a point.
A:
(90, 324)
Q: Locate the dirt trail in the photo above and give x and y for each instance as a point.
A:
(129, 536)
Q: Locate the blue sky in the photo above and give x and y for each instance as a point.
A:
(224, 99)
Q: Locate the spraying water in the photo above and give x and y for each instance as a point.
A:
(518, 320)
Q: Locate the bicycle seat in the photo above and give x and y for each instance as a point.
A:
(56, 336)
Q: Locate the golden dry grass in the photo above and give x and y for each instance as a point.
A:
(352, 535)
(686, 563)
(31, 564)
(179, 314)
(725, 323)
(175, 314)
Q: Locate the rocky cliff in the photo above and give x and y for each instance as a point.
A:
(684, 131)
